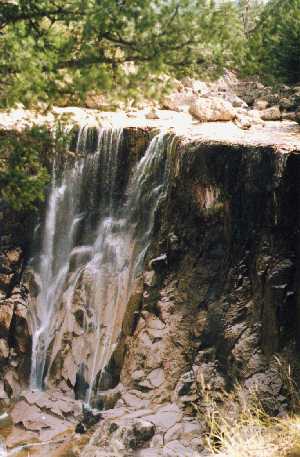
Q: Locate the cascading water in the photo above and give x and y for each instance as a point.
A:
(96, 233)
(3, 451)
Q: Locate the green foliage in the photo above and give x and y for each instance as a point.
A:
(23, 176)
(58, 51)
(63, 50)
(274, 45)
(250, 11)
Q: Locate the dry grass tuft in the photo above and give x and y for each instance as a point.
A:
(238, 426)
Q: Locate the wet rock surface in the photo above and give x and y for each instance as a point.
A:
(40, 422)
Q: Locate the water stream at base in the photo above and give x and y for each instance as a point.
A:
(97, 230)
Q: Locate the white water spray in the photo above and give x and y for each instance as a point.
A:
(96, 234)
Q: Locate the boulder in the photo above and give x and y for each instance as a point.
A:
(152, 114)
(287, 103)
(180, 101)
(261, 104)
(212, 110)
(243, 122)
(133, 433)
(290, 116)
(271, 114)
(196, 85)
(143, 431)
(80, 428)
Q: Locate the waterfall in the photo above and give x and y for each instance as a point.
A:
(96, 232)
(3, 451)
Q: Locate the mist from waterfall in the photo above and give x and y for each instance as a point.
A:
(3, 450)
(96, 232)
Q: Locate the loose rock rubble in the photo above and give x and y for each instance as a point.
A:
(247, 103)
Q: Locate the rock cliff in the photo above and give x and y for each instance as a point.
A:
(218, 299)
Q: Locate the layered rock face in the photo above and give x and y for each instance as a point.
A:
(229, 271)
(218, 298)
(14, 336)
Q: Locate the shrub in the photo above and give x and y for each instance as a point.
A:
(274, 44)
(238, 425)
(23, 172)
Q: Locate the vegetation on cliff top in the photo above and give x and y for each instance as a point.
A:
(23, 174)
(60, 51)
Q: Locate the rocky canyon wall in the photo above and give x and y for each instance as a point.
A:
(221, 297)
(218, 299)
